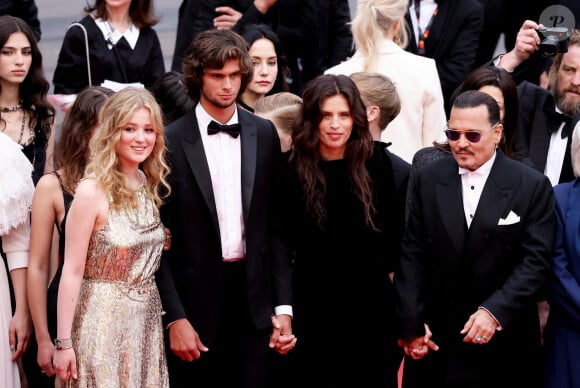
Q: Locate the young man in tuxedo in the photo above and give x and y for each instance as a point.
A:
(225, 282)
(475, 256)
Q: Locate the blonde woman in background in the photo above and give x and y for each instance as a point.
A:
(284, 110)
(380, 34)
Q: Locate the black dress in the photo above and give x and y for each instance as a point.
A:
(122, 64)
(343, 305)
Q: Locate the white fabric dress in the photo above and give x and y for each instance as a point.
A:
(16, 191)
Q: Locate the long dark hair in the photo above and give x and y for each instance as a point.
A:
(305, 154)
(72, 150)
(254, 32)
(34, 89)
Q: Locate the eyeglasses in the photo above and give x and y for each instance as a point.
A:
(471, 136)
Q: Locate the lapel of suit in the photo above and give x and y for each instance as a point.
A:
(197, 161)
(249, 151)
(449, 199)
(491, 206)
(540, 135)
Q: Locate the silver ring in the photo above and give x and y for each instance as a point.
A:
(478, 339)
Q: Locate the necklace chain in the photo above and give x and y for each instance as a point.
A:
(14, 108)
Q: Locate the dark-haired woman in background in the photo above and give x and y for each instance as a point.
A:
(270, 70)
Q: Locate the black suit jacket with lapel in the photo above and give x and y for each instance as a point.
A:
(447, 271)
(453, 41)
(533, 134)
(190, 278)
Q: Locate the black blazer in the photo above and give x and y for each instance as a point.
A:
(447, 271)
(190, 278)
(533, 135)
(453, 41)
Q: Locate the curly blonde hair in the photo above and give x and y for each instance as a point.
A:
(104, 164)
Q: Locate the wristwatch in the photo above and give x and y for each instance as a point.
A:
(62, 344)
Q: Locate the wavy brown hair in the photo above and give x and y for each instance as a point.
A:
(72, 150)
(210, 50)
(104, 165)
(305, 155)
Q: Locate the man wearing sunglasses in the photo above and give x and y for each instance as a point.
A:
(475, 254)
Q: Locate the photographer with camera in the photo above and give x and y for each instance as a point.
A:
(547, 117)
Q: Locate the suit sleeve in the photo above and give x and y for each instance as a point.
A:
(527, 279)
(564, 287)
(410, 278)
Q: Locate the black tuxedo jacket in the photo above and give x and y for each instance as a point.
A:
(533, 135)
(453, 41)
(447, 271)
(190, 278)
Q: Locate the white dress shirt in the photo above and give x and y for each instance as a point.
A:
(223, 153)
(556, 152)
(472, 183)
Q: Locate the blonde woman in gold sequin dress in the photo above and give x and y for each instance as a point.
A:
(109, 312)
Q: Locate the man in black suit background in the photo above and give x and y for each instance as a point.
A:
(449, 32)
(225, 283)
(547, 117)
(475, 255)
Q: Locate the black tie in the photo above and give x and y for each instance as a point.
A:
(215, 127)
(556, 120)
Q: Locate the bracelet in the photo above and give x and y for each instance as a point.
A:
(62, 344)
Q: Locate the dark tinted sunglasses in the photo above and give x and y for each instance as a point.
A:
(471, 136)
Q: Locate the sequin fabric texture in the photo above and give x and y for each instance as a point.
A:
(117, 330)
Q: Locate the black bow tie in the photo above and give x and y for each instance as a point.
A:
(556, 119)
(215, 127)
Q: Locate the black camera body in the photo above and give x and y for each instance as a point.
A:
(553, 40)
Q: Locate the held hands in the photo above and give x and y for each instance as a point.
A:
(184, 341)
(418, 348)
(282, 340)
(480, 327)
(45, 356)
(65, 364)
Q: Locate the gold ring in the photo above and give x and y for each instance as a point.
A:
(484, 338)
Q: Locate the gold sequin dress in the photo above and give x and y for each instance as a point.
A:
(117, 330)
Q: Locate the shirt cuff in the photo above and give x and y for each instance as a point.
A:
(499, 328)
(283, 309)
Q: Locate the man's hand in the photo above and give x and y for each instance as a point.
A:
(527, 42)
(418, 348)
(228, 18)
(480, 327)
(282, 340)
(184, 341)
